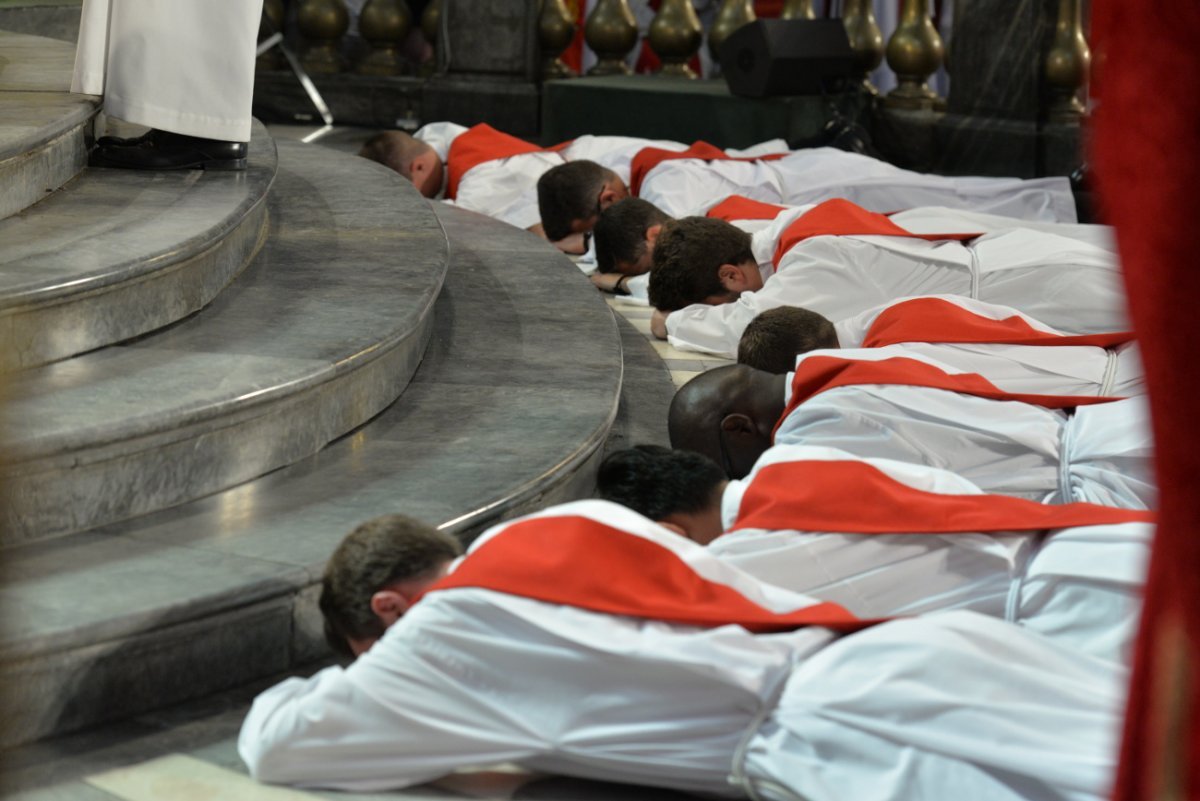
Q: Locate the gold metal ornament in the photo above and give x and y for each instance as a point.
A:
(731, 15)
(556, 29)
(798, 9)
(1067, 63)
(866, 39)
(323, 23)
(675, 36)
(914, 53)
(384, 24)
(611, 31)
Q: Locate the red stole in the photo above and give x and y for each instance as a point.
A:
(816, 374)
(479, 144)
(940, 320)
(840, 217)
(576, 561)
(739, 207)
(648, 158)
(829, 496)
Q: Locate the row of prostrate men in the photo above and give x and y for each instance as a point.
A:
(896, 550)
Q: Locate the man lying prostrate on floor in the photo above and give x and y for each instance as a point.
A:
(687, 181)
(601, 169)
(685, 673)
(710, 279)
(479, 169)
(927, 540)
(969, 336)
(911, 410)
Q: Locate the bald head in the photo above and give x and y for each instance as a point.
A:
(727, 414)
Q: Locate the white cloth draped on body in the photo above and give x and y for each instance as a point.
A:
(187, 68)
(688, 186)
(912, 708)
(1062, 281)
(1081, 586)
(1099, 453)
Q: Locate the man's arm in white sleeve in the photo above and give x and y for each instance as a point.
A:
(328, 731)
(717, 329)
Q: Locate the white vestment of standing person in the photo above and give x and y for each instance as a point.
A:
(952, 705)
(1062, 281)
(183, 67)
(688, 186)
(1080, 585)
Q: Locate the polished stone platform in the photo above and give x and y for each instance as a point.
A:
(118, 253)
(42, 127)
(321, 332)
(508, 411)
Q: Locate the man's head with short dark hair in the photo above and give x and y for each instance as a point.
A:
(572, 195)
(625, 236)
(409, 156)
(727, 414)
(701, 260)
(375, 574)
(681, 489)
(774, 339)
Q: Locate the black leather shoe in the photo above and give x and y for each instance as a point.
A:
(163, 150)
(124, 141)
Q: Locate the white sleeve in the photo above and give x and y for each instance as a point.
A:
(392, 719)
(439, 136)
(639, 288)
(767, 148)
(717, 329)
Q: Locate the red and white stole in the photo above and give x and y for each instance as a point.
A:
(740, 207)
(942, 320)
(568, 556)
(648, 158)
(821, 372)
(482, 143)
(840, 217)
(856, 497)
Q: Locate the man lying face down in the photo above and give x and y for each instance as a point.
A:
(710, 278)
(375, 575)
(415, 160)
(720, 685)
(814, 520)
(773, 339)
(919, 411)
(571, 197)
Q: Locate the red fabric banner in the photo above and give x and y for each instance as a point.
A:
(940, 320)
(479, 144)
(577, 561)
(738, 207)
(817, 374)
(829, 496)
(839, 217)
(647, 159)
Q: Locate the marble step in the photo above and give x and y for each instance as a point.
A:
(118, 253)
(42, 127)
(508, 412)
(320, 332)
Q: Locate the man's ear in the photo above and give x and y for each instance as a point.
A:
(389, 606)
(738, 423)
(652, 234)
(733, 278)
(675, 527)
(608, 196)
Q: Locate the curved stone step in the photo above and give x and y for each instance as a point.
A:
(508, 412)
(317, 335)
(42, 127)
(119, 253)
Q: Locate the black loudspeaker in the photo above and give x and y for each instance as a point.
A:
(771, 57)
